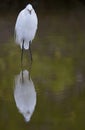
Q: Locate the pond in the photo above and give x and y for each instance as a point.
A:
(54, 95)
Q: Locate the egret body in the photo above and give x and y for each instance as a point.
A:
(25, 28)
(25, 95)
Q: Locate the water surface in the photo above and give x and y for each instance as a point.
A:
(58, 75)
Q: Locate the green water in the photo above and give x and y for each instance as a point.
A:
(58, 74)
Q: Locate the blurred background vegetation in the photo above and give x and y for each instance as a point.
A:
(40, 4)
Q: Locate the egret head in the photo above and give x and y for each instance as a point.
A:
(29, 8)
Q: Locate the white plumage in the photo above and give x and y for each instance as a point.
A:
(26, 26)
(25, 94)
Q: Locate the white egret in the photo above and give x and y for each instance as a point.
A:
(25, 28)
(25, 94)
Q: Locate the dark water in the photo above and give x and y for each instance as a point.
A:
(54, 98)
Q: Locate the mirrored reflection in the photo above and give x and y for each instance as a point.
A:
(25, 94)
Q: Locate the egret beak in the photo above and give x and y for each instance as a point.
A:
(30, 11)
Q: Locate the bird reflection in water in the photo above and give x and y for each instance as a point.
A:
(25, 94)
